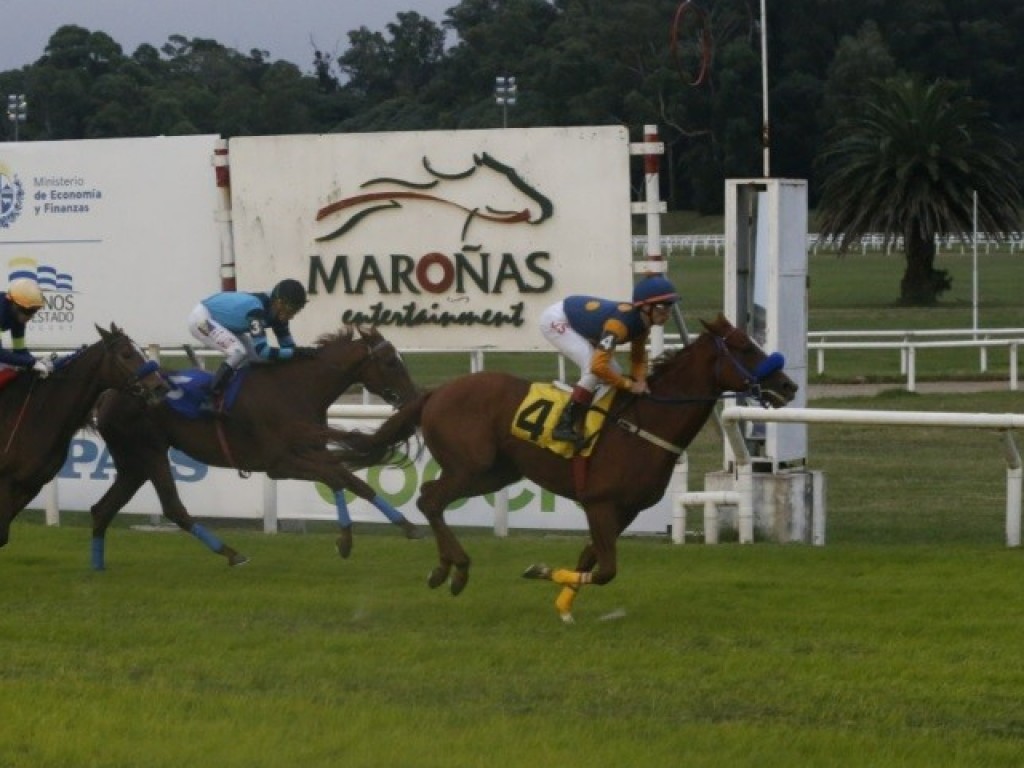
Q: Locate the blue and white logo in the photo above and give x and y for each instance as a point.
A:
(12, 197)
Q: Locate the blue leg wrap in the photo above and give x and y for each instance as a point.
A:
(344, 520)
(215, 544)
(97, 553)
(390, 512)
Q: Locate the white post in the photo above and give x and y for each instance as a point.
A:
(745, 486)
(52, 503)
(269, 505)
(818, 510)
(1013, 490)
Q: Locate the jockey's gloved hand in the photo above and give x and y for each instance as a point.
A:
(43, 367)
(304, 352)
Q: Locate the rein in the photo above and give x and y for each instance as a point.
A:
(21, 415)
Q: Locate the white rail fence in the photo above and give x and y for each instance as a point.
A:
(690, 245)
(1005, 423)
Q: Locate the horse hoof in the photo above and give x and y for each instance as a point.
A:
(344, 544)
(437, 577)
(567, 618)
(537, 571)
(459, 581)
(411, 531)
(238, 559)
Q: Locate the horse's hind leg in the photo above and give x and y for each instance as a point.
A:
(126, 484)
(450, 553)
(174, 510)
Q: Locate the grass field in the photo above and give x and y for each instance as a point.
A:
(897, 644)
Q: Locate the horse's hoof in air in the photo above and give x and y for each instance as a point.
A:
(459, 581)
(538, 571)
(237, 559)
(437, 577)
(344, 544)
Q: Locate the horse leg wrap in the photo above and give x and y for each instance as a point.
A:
(215, 544)
(565, 600)
(389, 511)
(344, 519)
(569, 578)
(98, 553)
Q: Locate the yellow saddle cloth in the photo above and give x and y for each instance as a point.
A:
(539, 412)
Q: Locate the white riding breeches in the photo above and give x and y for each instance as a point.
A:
(213, 335)
(554, 326)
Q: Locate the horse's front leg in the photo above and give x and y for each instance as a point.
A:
(12, 501)
(125, 486)
(600, 553)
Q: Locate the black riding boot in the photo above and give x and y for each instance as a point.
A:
(217, 386)
(565, 429)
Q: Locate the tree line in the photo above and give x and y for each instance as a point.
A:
(576, 62)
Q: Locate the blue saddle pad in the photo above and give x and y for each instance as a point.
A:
(189, 388)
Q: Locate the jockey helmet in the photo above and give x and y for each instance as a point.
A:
(654, 290)
(291, 293)
(25, 293)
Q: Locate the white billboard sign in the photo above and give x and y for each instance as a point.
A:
(114, 230)
(443, 239)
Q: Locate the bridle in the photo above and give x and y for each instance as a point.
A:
(373, 353)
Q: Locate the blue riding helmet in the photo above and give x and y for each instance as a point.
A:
(654, 290)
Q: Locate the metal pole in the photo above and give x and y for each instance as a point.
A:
(766, 134)
(974, 272)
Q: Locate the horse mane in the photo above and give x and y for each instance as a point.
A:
(344, 334)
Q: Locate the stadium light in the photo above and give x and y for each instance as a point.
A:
(17, 110)
(505, 96)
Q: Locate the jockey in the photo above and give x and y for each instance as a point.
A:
(587, 330)
(17, 307)
(236, 323)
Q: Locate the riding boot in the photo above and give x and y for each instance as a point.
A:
(570, 424)
(217, 386)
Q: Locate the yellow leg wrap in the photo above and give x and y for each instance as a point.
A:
(569, 578)
(565, 600)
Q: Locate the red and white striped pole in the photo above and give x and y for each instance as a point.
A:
(652, 207)
(222, 175)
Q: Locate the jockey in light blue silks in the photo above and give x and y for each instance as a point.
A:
(587, 330)
(236, 323)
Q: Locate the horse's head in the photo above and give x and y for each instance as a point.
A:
(127, 367)
(743, 367)
(383, 372)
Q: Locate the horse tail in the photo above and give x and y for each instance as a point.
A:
(367, 449)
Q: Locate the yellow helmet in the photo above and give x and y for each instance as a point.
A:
(25, 293)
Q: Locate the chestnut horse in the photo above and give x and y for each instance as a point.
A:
(466, 424)
(277, 425)
(39, 417)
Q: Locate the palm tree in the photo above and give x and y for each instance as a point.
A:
(906, 165)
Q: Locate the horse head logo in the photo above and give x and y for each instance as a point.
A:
(389, 194)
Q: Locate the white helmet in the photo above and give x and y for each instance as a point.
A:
(25, 293)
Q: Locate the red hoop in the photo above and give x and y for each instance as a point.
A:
(706, 43)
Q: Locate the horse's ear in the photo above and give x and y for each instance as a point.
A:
(365, 330)
(103, 334)
(347, 330)
(706, 324)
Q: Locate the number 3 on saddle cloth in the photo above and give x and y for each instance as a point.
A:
(539, 412)
(189, 388)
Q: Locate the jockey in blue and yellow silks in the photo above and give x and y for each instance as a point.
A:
(17, 307)
(587, 330)
(236, 323)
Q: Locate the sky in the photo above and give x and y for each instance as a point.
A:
(287, 29)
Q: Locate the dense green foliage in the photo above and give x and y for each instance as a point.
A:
(576, 62)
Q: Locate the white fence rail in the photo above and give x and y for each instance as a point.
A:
(690, 245)
(1003, 422)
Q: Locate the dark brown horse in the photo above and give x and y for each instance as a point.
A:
(466, 426)
(277, 425)
(39, 417)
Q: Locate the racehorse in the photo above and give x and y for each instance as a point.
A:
(277, 425)
(466, 426)
(39, 417)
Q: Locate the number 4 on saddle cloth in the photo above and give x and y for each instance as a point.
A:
(189, 389)
(539, 411)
